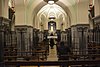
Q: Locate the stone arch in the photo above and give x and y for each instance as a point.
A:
(40, 5)
(68, 12)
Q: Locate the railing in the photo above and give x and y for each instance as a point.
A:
(90, 53)
(53, 63)
(26, 55)
(89, 56)
(75, 54)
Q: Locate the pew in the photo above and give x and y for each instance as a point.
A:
(26, 55)
(53, 63)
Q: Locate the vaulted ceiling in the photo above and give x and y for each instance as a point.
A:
(37, 9)
(34, 6)
(65, 7)
(52, 10)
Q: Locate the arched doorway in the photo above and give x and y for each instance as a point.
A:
(52, 26)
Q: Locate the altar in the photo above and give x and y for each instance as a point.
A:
(54, 37)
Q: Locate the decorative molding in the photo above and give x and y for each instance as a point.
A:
(23, 26)
(80, 29)
(49, 0)
(5, 24)
(45, 30)
(58, 30)
(97, 19)
(80, 25)
(4, 19)
(63, 31)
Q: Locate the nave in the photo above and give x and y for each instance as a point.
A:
(30, 28)
(18, 50)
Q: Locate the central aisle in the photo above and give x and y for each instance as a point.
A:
(51, 57)
(52, 54)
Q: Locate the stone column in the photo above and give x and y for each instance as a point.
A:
(4, 8)
(97, 7)
(82, 12)
(20, 12)
(74, 37)
(1, 45)
(4, 26)
(3, 23)
(58, 35)
(79, 37)
(24, 37)
(69, 37)
(82, 38)
(1, 7)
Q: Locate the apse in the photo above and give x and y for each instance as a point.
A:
(51, 12)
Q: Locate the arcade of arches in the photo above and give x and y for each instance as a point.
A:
(26, 27)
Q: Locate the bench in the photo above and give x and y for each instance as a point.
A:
(27, 55)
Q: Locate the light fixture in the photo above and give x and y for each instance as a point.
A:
(51, 23)
(51, 16)
(51, 19)
(50, 2)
